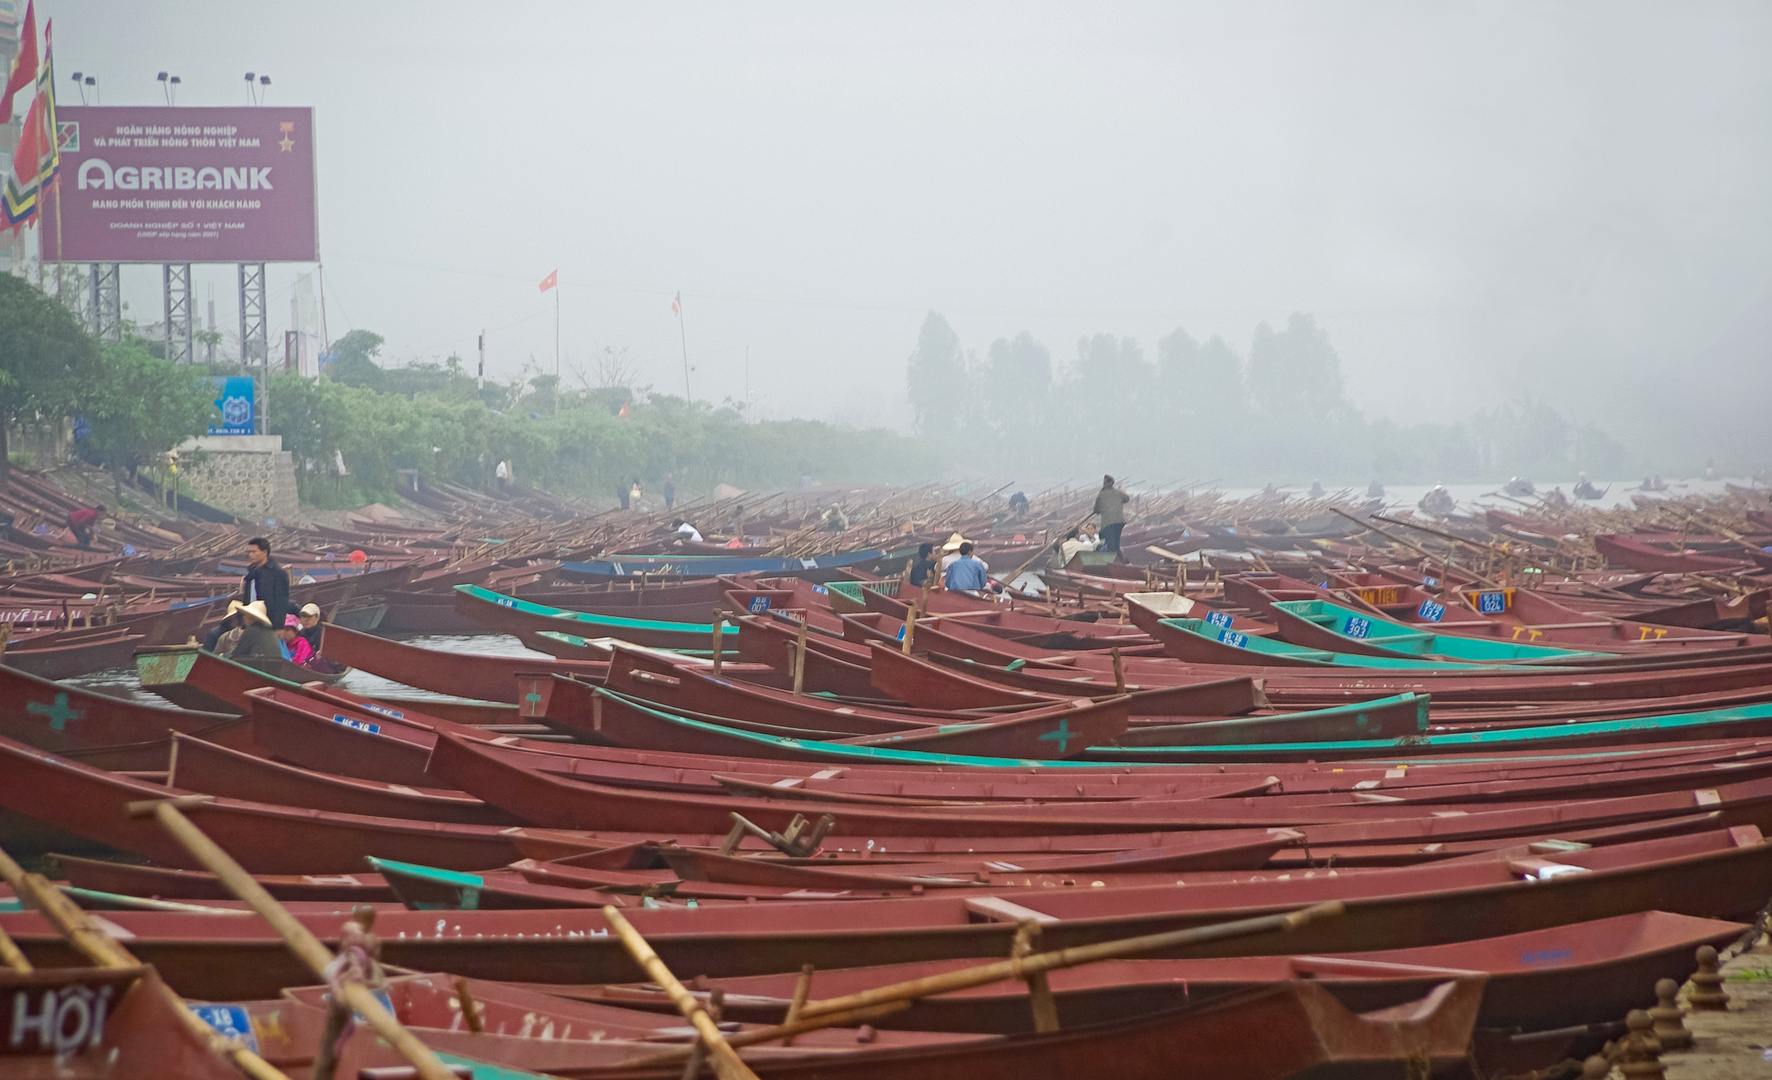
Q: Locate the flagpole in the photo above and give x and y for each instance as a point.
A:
(57, 187)
(683, 337)
(557, 387)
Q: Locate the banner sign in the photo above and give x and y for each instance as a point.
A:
(185, 184)
(233, 396)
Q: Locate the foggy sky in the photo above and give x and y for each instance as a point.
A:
(1568, 199)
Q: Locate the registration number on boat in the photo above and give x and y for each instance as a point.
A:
(357, 725)
(759, 603)
(1431, 611)
(1234, 639)
(1492, 603)
(1218, 618)
(1358, 627)
(230, 1020)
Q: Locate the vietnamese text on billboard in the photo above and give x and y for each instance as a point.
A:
(177, 184)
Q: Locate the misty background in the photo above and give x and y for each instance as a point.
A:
(1483, 214)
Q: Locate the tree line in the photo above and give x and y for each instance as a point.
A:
(436, 419)
(1203, 410)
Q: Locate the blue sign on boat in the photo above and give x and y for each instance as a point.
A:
(1358, 627)
(1431, 611)
(231, 1021)
(1492, 603)
(1218, 618)
(1234, 639)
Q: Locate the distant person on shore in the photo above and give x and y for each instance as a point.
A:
(264, 582)
(83, 522)
(670, 491)
(1018, 505)
(621, 492)
(503, 472)
(634, 495)
(1110, 507)
(967, 573)
(920, 566)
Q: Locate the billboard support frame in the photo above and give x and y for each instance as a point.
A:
(105, 285)
(177, 282)
(255, 344)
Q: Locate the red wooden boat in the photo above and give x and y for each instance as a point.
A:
(112, 1023)
(509, 779)
(542, 1035)
(199, 765)
(264, 838)
(1560, 976)
(465, 675)
(1706, 875)
(134, 879)
(101, 730)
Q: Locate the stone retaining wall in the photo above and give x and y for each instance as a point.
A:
(248, 475)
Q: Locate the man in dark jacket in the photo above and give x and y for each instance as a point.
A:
(266, 580)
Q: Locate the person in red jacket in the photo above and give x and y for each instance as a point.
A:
(82, 522)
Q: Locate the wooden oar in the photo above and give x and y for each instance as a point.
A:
(727, 1065)
(306, 947)
(102, 949)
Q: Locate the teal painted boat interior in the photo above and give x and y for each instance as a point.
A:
(1403, 640)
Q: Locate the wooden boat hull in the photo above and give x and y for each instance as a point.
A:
(464, 675)
(240, 958)
(102, 730)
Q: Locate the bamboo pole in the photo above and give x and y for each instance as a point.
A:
(852, 1008)
(800, 653)
(100, 948)
(727, 1065)
(306, 947)
(14, 959)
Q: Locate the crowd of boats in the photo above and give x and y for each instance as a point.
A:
(1287, 786)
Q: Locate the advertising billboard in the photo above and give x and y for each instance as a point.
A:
(233, 396)
(185, 184)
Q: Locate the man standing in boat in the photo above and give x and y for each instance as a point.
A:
(265, 581)
(1110, 507)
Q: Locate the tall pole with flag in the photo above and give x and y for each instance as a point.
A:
(36, 159)
(552, 281)
(683, 337)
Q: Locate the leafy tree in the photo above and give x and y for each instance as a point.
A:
(140, 406)
(936, 378)
(1204, 380)
(44, 358)
(353, 360)
(1016, 382)
(1295, 374)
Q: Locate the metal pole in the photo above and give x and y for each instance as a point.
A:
(683, 337)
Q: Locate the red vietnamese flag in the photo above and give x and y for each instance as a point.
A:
(550, 281)
(24, 65)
